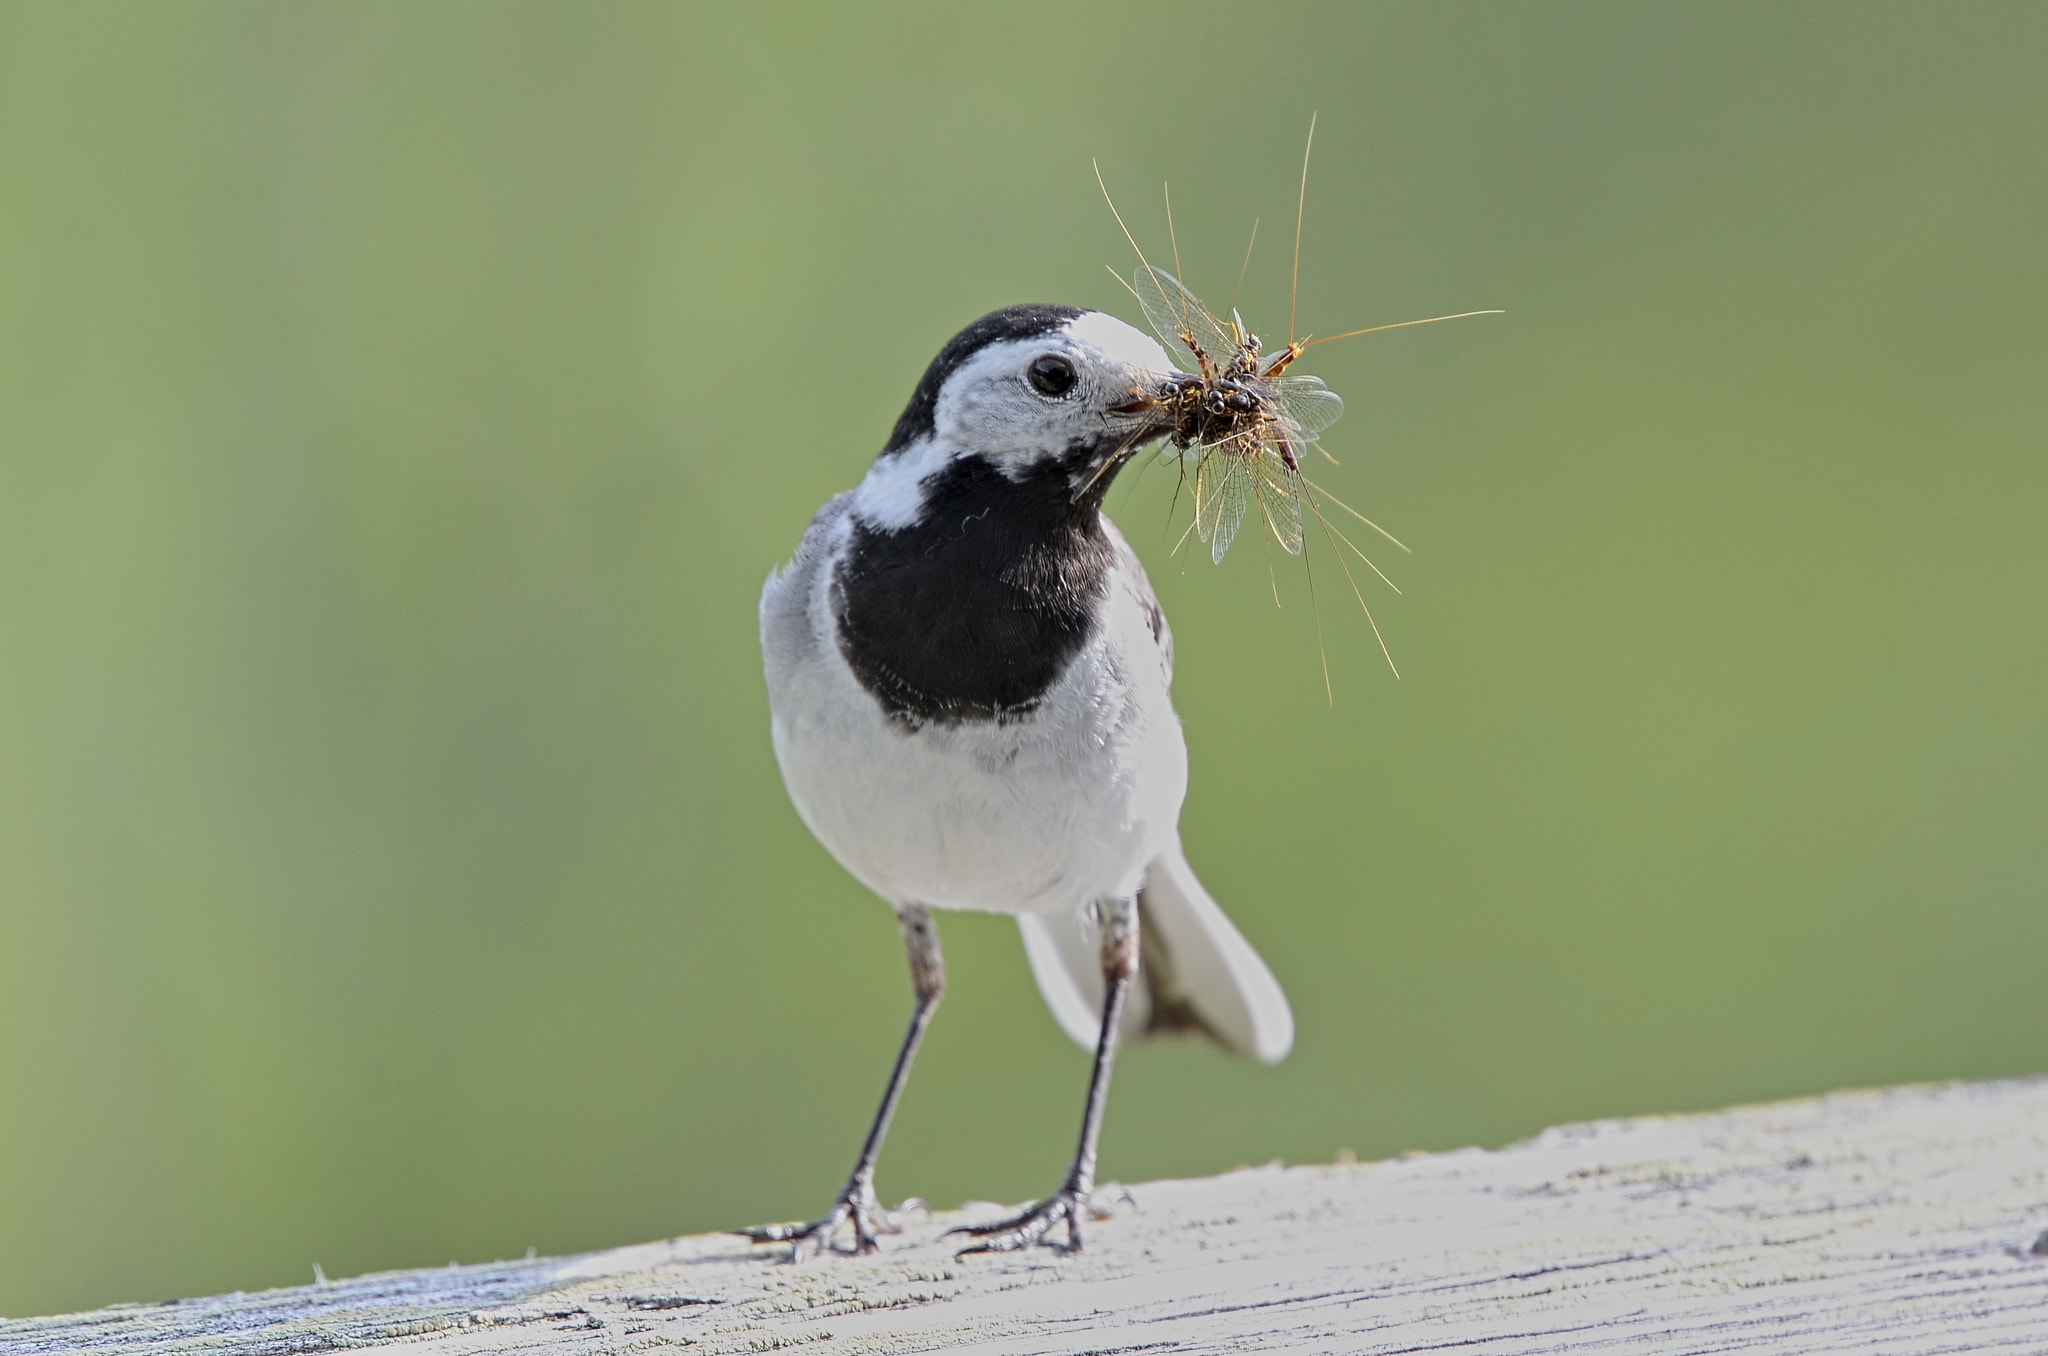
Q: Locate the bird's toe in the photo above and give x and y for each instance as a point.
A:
(1065, 1206)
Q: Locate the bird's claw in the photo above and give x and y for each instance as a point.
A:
(856, 1205)
(1065, 1206)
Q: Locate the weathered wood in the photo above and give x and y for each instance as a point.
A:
(1894, 1221)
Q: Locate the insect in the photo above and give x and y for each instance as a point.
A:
(1244, 421)
(1245, 418)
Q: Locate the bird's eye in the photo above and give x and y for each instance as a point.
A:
(1052, 375)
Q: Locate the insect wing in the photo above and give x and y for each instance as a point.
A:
(1279, 496)
(1307, 404)
(1176, 314)
(1223, 494)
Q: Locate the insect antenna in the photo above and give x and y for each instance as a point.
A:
(1114, 459)
(1119, 220)
(1300, 207)
(1315, 609)
(1328, 526)
(1173, 238)
(1126, 285)
(1128, 486)
(1245, 267)
(1185, 325)
(1356, 514)
(1397, 325)
(1187, 531)
(1180, 466)
(1356, 592)
(1194, 490)
(1271, 579)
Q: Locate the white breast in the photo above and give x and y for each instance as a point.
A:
(1041, 815)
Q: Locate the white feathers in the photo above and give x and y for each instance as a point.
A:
(1120, 344)
(1074, 797)
(891, 495)
(987, 408)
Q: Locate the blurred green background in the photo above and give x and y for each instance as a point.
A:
(400, 407)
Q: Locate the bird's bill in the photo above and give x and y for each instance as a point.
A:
(1156, 397)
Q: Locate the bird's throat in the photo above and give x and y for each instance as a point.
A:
(974, 612)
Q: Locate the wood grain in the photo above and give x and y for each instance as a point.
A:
(1896, 1221)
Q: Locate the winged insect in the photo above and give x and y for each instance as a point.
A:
(1245, 419)
(1244, 422)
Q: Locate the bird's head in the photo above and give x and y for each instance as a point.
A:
(1039, 394)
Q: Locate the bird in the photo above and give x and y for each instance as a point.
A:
(969, 695)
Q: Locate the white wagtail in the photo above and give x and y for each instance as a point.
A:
(968, 681)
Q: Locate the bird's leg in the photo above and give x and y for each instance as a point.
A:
(1071, 1201)
(856, 1202)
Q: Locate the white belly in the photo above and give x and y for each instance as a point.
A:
(1042, 815)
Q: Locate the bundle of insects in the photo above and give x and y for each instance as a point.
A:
(1242, 422)
(1241, 418)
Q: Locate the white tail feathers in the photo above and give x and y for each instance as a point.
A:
(1196, 971)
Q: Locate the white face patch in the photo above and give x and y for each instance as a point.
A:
(1120, 343)
(891, 495)
(988, 408)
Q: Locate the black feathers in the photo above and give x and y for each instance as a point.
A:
(974, 612)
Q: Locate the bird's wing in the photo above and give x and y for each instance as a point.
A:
(789, 634)
(1199, 973)
(1130, 575)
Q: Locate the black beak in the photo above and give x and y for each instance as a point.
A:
(1158, 402)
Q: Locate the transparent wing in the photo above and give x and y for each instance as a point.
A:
(1279, 497)
(1223, 492)
(1307, 404)
(1177, 316)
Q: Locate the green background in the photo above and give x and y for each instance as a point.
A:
(400, 407)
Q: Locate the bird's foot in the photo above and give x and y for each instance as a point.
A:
(1074, 1199)
(856, 1205)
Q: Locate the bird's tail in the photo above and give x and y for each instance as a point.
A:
(1197, 973)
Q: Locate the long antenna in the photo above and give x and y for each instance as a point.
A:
(1397, 325)
(1118, 215)
(1245, 267)
(1357, 593)
(1172, 238)
(1300, 206)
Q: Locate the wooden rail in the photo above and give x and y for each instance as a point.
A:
(1896, 1221)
